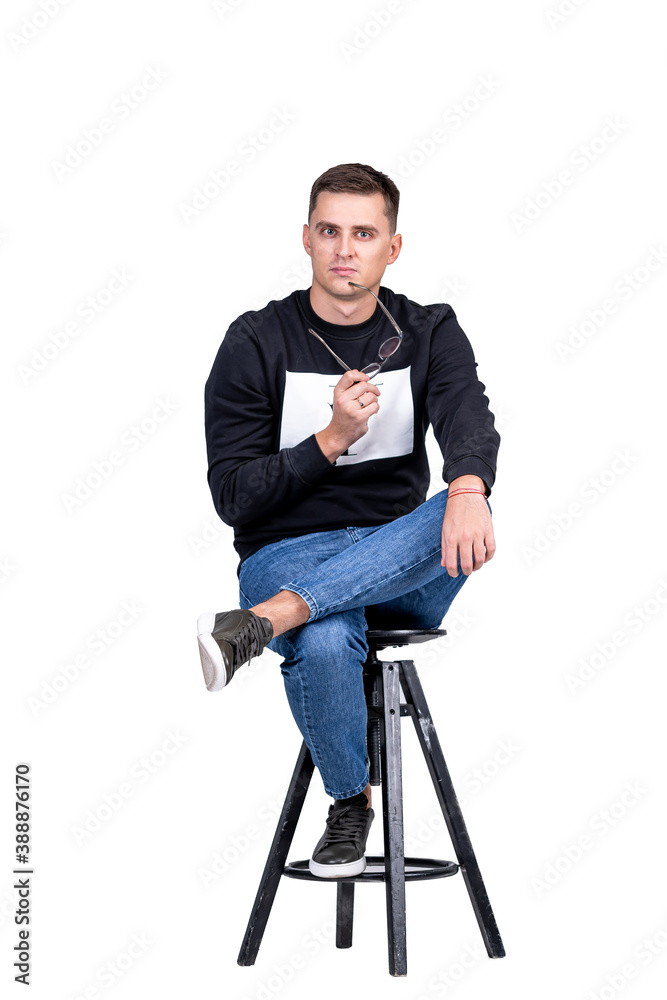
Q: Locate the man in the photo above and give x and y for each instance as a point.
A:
(324, 477)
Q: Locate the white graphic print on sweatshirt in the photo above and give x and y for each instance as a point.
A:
(307, 409)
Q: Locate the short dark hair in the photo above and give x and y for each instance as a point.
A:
(358, 178)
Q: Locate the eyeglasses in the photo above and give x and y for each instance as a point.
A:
(386, 349)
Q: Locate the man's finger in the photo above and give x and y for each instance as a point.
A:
(467, 557)
(360, 388)
(351, 378)
(450, 558)
(479, 553)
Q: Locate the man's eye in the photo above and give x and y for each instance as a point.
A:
(328, 229)
(363, 232)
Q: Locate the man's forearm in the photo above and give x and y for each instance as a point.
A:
(258, 487)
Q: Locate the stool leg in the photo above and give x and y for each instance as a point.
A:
(392, 810)
(372, 692)
(275, 863)
(344, 914)
(428, 739)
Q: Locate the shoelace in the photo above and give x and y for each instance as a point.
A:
(249, 641)
(344, 824)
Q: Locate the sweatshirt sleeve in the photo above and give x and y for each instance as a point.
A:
(248, 475)
(456, 405)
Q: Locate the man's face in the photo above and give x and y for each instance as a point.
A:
(348, 239)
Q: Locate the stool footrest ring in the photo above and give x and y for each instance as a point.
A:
(416, 869)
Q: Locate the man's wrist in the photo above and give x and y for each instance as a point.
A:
(329, 446)
(467, 483)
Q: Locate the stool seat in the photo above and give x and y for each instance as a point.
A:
(381, 638)
(416, 869)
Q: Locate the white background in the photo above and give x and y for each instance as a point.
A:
(125, 909)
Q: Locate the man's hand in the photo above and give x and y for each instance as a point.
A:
(467, 529)
(349, 420)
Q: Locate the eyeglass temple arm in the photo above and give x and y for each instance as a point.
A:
(384, 310)
(324, 344)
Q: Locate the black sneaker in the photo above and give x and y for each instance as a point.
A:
(227, 640)
(340, 851)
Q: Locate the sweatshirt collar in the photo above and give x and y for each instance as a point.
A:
(338, 331)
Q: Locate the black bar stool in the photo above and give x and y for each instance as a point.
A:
(383, 680)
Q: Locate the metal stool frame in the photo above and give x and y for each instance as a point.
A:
(383, 681)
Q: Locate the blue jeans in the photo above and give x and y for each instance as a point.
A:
(352, 579)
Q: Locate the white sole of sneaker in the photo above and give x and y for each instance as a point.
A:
(337, 871)
(212, 663)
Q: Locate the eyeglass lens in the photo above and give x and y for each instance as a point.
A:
(387, 348)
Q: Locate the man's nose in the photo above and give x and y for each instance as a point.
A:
(344, 247)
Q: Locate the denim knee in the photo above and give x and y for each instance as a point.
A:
(324, 686)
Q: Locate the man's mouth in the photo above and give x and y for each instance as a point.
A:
(343, 270)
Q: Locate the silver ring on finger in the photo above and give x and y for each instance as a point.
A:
(360, 403)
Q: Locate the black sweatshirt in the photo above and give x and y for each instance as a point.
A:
(270, 391)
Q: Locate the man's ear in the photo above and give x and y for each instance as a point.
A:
(396, 245)
(306, 238)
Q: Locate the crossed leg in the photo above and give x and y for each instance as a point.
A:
(344, 582)
(386, 562)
